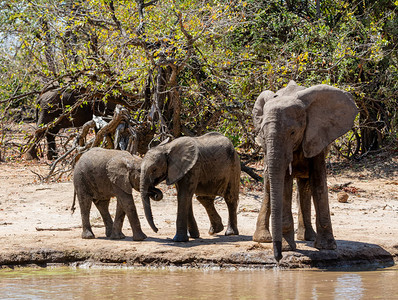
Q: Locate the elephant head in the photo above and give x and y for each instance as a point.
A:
(297, 118)
(124, 172)
(167, 161)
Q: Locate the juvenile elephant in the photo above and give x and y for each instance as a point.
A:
(206, 166)
(52, 104)
(101, 174)
(295, 125)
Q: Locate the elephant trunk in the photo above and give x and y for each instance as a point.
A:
(144, 189)
(276, 172)
(156, 194)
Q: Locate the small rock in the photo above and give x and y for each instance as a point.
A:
(342, 197)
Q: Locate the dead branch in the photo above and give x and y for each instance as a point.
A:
(250, 171)
(53, 229)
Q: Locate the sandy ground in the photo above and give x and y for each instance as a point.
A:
(37, 227)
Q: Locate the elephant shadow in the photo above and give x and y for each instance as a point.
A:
(216, 239)
(347, 254)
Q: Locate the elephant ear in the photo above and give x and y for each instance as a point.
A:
(330, 113)
(258, 109)
(181, 157)
(118, 170)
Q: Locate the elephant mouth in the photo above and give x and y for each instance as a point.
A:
(159, 180)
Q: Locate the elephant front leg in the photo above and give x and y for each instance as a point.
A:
(127, 205)
(324, 238)
(117, 233)
(262, 234)
(184, 200)
(288, 242)
(51, 147)
(216, 224)
(103, 208)
(305, 232)
(192, 226)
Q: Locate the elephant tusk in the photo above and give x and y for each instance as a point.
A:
(290, 169)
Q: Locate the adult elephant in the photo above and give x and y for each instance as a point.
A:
(52, 105)
(207, 166)
(295, 125)
(101, 174)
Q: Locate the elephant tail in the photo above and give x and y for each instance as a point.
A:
(73, 208)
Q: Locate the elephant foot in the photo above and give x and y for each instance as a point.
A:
(216, 228)
(108, 232)
(52, 156)
(181, 238)
(288, 245)
(262, 236)
(325, 242)
(194, 234)
(31, 156)
(88, 234)
(232, 231)
(139, 236)
(308, 234)
(117, 236)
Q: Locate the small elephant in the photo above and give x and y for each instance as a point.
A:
(101, 174)
(52, 104)
(295, 125)
(207, 166)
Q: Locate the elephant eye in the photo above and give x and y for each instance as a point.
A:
(292, 133)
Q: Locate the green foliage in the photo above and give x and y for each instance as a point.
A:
(218, 55)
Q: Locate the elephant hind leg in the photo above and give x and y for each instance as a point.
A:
(232, 201)
(103, 208)
(215, 219)
(85, 206)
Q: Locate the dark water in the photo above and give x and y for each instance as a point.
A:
(123, 283)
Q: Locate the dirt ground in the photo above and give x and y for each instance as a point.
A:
(37, 227)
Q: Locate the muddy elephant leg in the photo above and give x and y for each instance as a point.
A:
(232, 200)
(216, 225)
(305, 232)
(262, 234)
(117, 233)
(324, 238)
(127, 205)
(288, 242)
(103, 208)
(85, 206)
(184, 202)
(192, 226)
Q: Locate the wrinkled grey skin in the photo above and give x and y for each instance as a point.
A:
(207, 166)
(52, 104)
(295, 126)
(101, 174)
